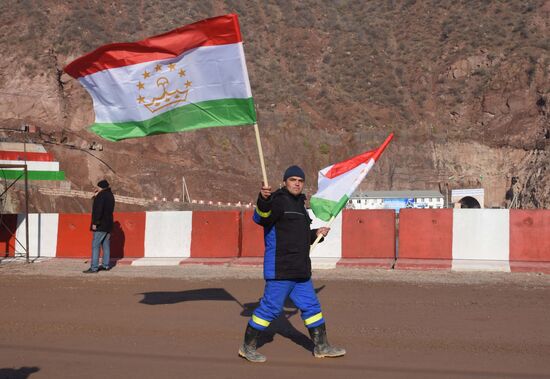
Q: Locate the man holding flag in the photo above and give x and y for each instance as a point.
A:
(195, 77)
(287, 266)
(288, 237)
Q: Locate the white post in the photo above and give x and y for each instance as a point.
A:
(185, 191)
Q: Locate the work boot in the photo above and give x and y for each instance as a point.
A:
(248, 348)
(322, 348)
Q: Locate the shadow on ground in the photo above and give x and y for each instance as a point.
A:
(17, 373)
(173, 297)
(280, 326)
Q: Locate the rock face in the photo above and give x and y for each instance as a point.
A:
(465, 87)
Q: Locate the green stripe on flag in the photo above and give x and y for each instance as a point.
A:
(206, 114)
(32, 175)
(324, 209)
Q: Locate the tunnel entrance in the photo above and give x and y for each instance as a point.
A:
(469, 202)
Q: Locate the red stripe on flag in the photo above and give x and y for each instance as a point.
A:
(350, 164)
(220, 30)
(382, 147)
(345, 166)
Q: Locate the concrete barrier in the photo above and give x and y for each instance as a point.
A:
(251, 242)
(459, 239)
(215, 234)
(329, 252)
(8, 229)
(481, 239)
(167, 237)
(530, 240)
(368, 238)
(425, 239)
(128, 235)
(74, 238)
(43, 234)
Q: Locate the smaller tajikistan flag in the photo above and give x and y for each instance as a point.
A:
(189, 78)
(337, 182)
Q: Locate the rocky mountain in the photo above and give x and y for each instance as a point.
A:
(464, 85)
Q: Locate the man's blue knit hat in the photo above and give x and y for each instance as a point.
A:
(294, 171)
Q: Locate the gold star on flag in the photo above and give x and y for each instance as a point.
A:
(140, 99)
(181, 72)
(172, 66)
(188, 84)
(158, 67)
(146, 74)
(140, 85)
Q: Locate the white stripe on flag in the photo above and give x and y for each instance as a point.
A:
(216, 72)
(345, 184)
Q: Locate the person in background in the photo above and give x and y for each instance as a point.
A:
(101, 226)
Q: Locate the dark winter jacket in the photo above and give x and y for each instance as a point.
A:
(102, 211)
(287, 235)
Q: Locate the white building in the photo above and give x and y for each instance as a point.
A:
(396, 200)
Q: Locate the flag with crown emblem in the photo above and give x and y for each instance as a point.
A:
(190, 78)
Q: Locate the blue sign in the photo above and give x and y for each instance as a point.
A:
(398, 203)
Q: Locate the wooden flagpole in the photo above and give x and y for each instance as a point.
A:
(260, 152)
(259, 144)
(320, 235)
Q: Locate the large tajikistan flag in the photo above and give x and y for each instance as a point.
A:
(190, 78)
(337, 182)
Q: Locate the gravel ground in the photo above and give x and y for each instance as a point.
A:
(188, 321)
(74, 268)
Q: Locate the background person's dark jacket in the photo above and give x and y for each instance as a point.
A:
(287, 235)
(102, 211)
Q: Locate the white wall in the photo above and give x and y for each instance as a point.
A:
(481, 235)
(168, 234)
(42, 234)
(331, 247)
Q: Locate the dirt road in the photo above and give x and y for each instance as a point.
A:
(187, 322)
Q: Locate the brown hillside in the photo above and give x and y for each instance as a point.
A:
(465, 85)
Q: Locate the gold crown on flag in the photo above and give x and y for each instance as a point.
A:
(167, 98)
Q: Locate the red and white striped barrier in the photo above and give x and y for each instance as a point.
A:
(474, 239)
(450, 239)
